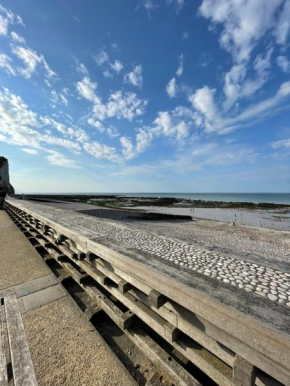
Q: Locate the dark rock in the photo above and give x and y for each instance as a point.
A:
(4, 174)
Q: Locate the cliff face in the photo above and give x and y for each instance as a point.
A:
(4, 173)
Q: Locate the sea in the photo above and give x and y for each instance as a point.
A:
(273, 198)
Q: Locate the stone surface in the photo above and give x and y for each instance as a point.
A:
(75, 353)
(19, 260)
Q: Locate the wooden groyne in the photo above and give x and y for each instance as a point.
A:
(229, 346)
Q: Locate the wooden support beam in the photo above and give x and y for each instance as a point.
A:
(123, 320)
(243, 372)
(3, 367)
(152, 350)
(170, 332)
(23, 371)
(124, 286)
(157, 300)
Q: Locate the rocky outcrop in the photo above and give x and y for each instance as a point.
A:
(4, 174)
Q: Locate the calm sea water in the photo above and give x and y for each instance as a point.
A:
(275, 198)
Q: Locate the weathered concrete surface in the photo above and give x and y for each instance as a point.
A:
(67, 351)
(19, 262)
(65, 348)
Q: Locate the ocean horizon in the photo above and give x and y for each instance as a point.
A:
(272, 198)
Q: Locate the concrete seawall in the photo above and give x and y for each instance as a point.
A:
(232, 333)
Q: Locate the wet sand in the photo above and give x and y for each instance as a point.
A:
(273, 219)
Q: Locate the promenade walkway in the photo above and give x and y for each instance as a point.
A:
(65, 349)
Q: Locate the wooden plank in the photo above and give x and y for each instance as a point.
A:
(244, 372)
(194, 331)
(123, 320)
(30, 286)
(23, 371)
(3, 367)
(155, 353)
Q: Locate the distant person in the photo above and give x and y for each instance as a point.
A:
(2, 193)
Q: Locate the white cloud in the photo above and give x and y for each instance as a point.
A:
(58, 159)
(149, 5)
(167, 125)
(245, 22)
(120, 105)
(21, 126)
(99, 150)
(135, 77)
(284, 63)
(58, 98)
(237, 86)
(86, 89)
(282, 143)
(143, 139)
(112, 132)
(5, 63)
(203, 101)
(31, 59)
(128, 150)
(97, 124)
(283, 24)
(17, 38)
(108, 74)
(30, 151)
(171, 88)
(179, 71)
(177, 3)
(7, 17)
(101, 58)
(117, 66)
(81, 68)
(211, 120)
(114, 68)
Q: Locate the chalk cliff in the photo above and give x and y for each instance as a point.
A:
(4, 174)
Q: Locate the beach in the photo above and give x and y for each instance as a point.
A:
(210, 228)
(274, 219)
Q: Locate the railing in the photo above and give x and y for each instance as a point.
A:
(229, 347)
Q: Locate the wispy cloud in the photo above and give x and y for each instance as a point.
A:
(236, 36)
(171, 88)
(179, 71)
(178, 4)
(17, 38)
(6, 64)
(7, 18)
(135, 77)
(101, 57)
(284, 63)
(210, 118)
(32, 60)
(30, 151)
(58, 159)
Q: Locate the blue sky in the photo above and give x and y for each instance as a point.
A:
(146, 96)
